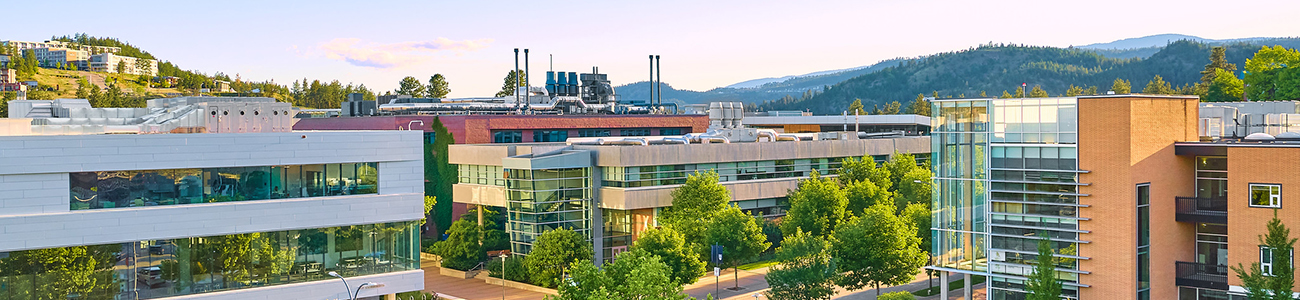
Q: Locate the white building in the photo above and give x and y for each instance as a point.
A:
(24, 46)
(108, 62)
(53, 57)
(258, 215)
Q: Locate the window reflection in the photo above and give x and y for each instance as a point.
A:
(95, 190)
(164, 268)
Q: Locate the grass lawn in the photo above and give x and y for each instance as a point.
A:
(757, 265)
(66, 81)
(952, 286)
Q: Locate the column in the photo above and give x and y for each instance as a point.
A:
(966, 293)
(943, 285)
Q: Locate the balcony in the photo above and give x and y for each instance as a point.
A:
(1202, 210)
(1200, 275)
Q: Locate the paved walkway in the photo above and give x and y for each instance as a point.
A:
(453, 288)
(919, 283)
(750, 282)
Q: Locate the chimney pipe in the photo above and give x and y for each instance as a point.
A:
(652, 80)
(516, 71)
(659, 79)
(527, 86)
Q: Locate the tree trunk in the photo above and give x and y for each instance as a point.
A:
(877, 290)
(735, 275)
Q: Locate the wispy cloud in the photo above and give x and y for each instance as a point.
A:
(382, 56)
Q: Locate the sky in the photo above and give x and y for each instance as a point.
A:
(703, 44)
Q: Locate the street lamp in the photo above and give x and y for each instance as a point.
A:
(503, 275)
(354, 295)
(346, 288)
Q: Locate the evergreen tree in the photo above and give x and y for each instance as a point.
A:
(1073, 91)
(1217, 62)
(855, 108)
(438, 86)
(1038, 92)
(920, 106)
(1121, 86)
(1276, 282)
(410, 86)
(1042, 283)
(512, 81)
(1158, 86)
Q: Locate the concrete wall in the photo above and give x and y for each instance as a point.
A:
(1148, 126)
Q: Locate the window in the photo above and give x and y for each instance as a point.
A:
(1266, 260)
(670, 131)
(511, 136)
(429, 137)
(541, 136)
(593, 132)
(1266, 195)
(1144, 240)
(634, 132)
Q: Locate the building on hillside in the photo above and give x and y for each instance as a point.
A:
(1141, 196)
(24, 46)
(108, 63)
(8, 76)
(613, 188)
(4, 61)
(145, 216)
(55, 57)
(13, 87)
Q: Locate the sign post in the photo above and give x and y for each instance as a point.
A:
(715, 257)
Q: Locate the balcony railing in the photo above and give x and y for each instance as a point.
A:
(1200, 275)
(1202, 210)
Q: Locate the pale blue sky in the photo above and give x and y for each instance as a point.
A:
(704, 44)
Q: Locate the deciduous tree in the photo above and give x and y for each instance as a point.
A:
(553, 253)
(816, 207)
(879, 248)
(740, 236)
(806, 270)
(684, 264)
(695, 203)
(635, 275)
(1121, 86)
(462, 249)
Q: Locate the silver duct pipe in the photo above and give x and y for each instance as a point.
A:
(768, 133)
(787, 137)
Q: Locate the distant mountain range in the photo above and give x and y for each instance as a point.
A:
(1110, 57)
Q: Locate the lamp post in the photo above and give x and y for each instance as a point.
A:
(503, 275)
(354, 295)
(346, 288)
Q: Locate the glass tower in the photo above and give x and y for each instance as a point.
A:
(1007, 177)
(545, 199)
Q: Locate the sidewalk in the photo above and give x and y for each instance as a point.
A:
(917, 284)
(751, 281)
(453, 288)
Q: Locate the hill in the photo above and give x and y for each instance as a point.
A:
(1160, 40)
(787, 86)
(996, 68)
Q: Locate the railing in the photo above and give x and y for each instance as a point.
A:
(1202, 210)
(1201, 275)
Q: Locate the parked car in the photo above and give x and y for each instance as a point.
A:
(151, 276)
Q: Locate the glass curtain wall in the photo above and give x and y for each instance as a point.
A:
(960, 143)
(1033, 177)
(116, 189)
(546, 199)
(728, 171)
(186, 266)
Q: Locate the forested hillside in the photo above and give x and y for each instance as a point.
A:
(995, 68)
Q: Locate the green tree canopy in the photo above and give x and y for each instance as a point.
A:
(635, 274)
(816, 207)
(1225, 87)
(879, 248)
(806, 270)
(512, 81)
(855, 108)
(553, 253)
(462, 249)
(1158, 86)
(1121, 86)
(696, 202)
(438, 86)
(684, 264)
(1272, 74)
(439, 174)
(739, 234)
(1218, 61)
(1042, 283)
(1276, 284)
(897, 296)
(863, 194)
(410, 86)
(920, 106)
(1038, 92)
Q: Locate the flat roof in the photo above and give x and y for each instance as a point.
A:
(838, 120)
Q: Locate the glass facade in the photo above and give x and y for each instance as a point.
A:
(550, 135)
(546, 199)
(186, 266)
(1006, 171)
(732, 171)
(1211, 177)
(481, 174)
(1144, 241)
(593, 132)
(634, 132)
(96, 190)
